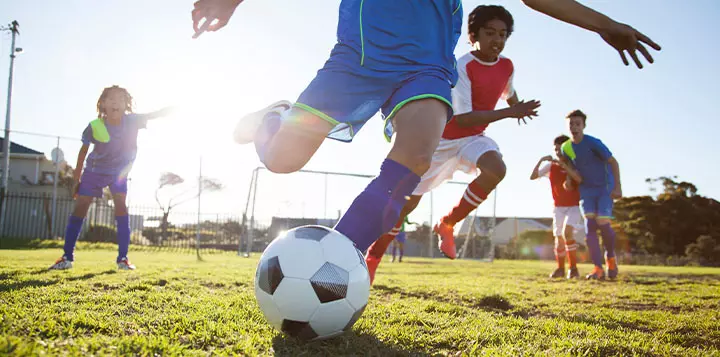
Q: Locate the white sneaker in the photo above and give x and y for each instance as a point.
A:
(61, 264)
(124, 264)
(247, 126)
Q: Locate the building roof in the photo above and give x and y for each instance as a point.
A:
(19, 149)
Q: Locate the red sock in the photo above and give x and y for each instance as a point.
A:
(378, 248)
(560, 252)
(571, 248)
(474, 195)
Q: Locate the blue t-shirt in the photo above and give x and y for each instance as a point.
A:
(116, 156)
(590, 158)
(406, 35)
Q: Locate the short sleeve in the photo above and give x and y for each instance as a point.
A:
(509, 90)
(87, 135)
(462, 93)
(138, 120)
(544, 171)
(601, 150)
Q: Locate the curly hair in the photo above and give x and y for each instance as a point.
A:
(106, 92)
(482, 14)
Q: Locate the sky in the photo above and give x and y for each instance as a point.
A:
(658, 121)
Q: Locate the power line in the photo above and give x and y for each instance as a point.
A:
(44, 135)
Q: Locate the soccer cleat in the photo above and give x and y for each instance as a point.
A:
(447, 239)
(558, 273)
(124, 264)
(597, 274)
(61, 264)
(247, 126)
(372, 265)
(573, 273)
(612, 270)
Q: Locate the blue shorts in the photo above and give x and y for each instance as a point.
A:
(92, 184)
(401, 237)
(599, 205)
(347, 94)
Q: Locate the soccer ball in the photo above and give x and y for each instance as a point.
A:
(312, 283)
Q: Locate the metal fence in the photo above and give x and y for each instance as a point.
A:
(30, 216)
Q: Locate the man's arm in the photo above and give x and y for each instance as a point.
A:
(572, 173)
(536, 171)
(620, 36)
(615, 167)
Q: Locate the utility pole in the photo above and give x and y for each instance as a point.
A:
(14, 28)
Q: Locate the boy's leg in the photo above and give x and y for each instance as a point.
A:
(559, 250)
(285, 140)
(375, 211)
(492, 171)
(589, 205)
(604, 221)
(90, 186)
(574, 229)
(378, 248)
(401, 247)
(122, 221)
(394, 251)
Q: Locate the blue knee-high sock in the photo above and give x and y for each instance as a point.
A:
(608, 236)
(402, 251)
(72, 231)
(376, 210)
(394, 251)
(264, 135)
(592, 242)
(123, 236)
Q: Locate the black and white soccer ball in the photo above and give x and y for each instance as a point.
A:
(312, 283)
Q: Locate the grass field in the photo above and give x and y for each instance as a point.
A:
(174, 304)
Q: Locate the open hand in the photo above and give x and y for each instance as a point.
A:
(524, 109)
(625, 38)
(215, 13)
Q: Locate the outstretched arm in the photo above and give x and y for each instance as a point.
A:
(620, 36)
(536, 171)
(158, 113)
(519, 111)
(214, 14)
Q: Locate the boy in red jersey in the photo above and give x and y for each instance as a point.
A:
(485, 77)
(568, 224)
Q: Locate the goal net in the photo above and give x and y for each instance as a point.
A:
(276, 203)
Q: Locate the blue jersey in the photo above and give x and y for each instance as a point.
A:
(116, 156)
(590, 158)
(407, 35)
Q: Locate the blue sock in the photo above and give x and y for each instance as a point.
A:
(608, 236)
(376, 210)
(123, 236)
(264, 135)
(592, 242)
(394, 251)
(72, 231)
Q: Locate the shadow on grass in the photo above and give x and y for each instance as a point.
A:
(36, 283)
(349, 344)
(493, 303)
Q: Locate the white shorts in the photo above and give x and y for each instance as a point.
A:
(568, 216)
(455, 155)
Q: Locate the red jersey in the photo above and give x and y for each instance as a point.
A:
(480, 86)
(561, 196)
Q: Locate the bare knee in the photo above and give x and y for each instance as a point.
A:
(278, 165)
(82, 204)
(492, 167)
(603, 221)
(410, 205)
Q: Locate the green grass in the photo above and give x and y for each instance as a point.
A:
(175, 305)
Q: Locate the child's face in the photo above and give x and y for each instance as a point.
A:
(114, 102)
(491, 38)
(558, 151)
(576, 126)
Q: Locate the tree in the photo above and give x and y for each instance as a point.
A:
(181, 195)
(706, 251)
(668, 223)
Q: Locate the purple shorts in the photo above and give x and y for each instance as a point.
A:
(92, 184)
(401, 237)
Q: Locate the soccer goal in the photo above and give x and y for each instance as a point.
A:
(278, 202)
